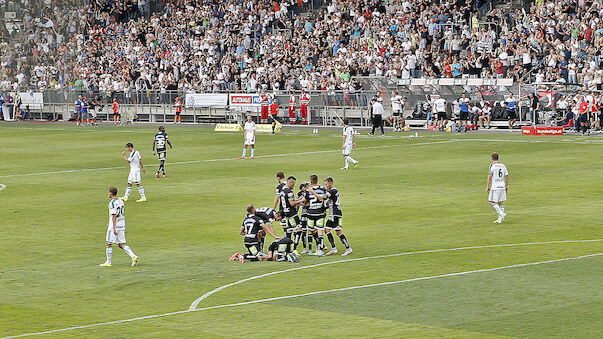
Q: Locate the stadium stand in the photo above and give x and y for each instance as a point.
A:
(116, 48)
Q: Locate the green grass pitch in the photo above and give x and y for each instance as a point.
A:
(407, 195)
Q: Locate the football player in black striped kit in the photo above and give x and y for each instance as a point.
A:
(159, 144)
(334, 221)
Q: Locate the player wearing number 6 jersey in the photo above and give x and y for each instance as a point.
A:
(116, 229)
(161, 138)
(498, 182)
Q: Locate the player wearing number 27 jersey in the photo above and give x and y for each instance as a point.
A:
(498, 181)
(159, 147)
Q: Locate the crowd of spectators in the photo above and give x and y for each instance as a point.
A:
(125, 46)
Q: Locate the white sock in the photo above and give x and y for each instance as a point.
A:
(141, 191)
(128, 190)
(129, 251)
(347, 161)
(352, 159)
(502, 208)
(109, 252)
(252, 151)
(244, 152)
(497, 209)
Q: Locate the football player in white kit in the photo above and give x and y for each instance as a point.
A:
(136, 166)
(349, 142)
(249, 132)
(116, 229)
(498, 181)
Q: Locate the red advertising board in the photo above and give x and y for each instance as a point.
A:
(530, 130)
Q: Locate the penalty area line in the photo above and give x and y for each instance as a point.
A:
(224, 159)
(115, 322)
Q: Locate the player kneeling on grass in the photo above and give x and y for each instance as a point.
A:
(252, 224)
(136, 166)
(280, 250)
(334, 221)
(249, 137)
(116, 229)
(498, 181)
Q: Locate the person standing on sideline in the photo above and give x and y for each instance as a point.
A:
(116, 229)
(78, 110)
(136, 166)
(116, 111)
(264, 103)
(249, 132)
(498, 183)
(177, 117)
(274, 114)
(464, 113)
(349, 142)
(292, 117)
(377, 115)
(304, 100)
(510, 107)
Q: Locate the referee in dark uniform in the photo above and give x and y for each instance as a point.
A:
(377, 114)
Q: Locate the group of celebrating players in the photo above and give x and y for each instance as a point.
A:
(304, 219)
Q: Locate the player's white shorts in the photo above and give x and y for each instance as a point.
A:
(497, 195)
(134, 177)
(347, 149)
(120, 238)
(250, 141)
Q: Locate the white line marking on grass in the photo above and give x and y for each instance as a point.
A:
(208, 294)
(305, 294)
(2, 187)
(224, 159)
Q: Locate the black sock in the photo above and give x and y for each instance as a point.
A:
(344, 240)
(309, 239)
(262, 244)
(320, 244)
(273, 126)
(331, 239)
(296, 237)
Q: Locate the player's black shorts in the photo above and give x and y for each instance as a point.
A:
(272, 118)
(396, 113)
(316, 222)
(464, 115)
(253, 247)
(441, 115)
(178, 113)
(161, 155)
(334, 223)
(512, 115)
(117, 114)
(583, 118)
(292, 222)
(282, 246)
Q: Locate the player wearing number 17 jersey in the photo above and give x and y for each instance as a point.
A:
(159, 145)
(498, 182)
(116, 229)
